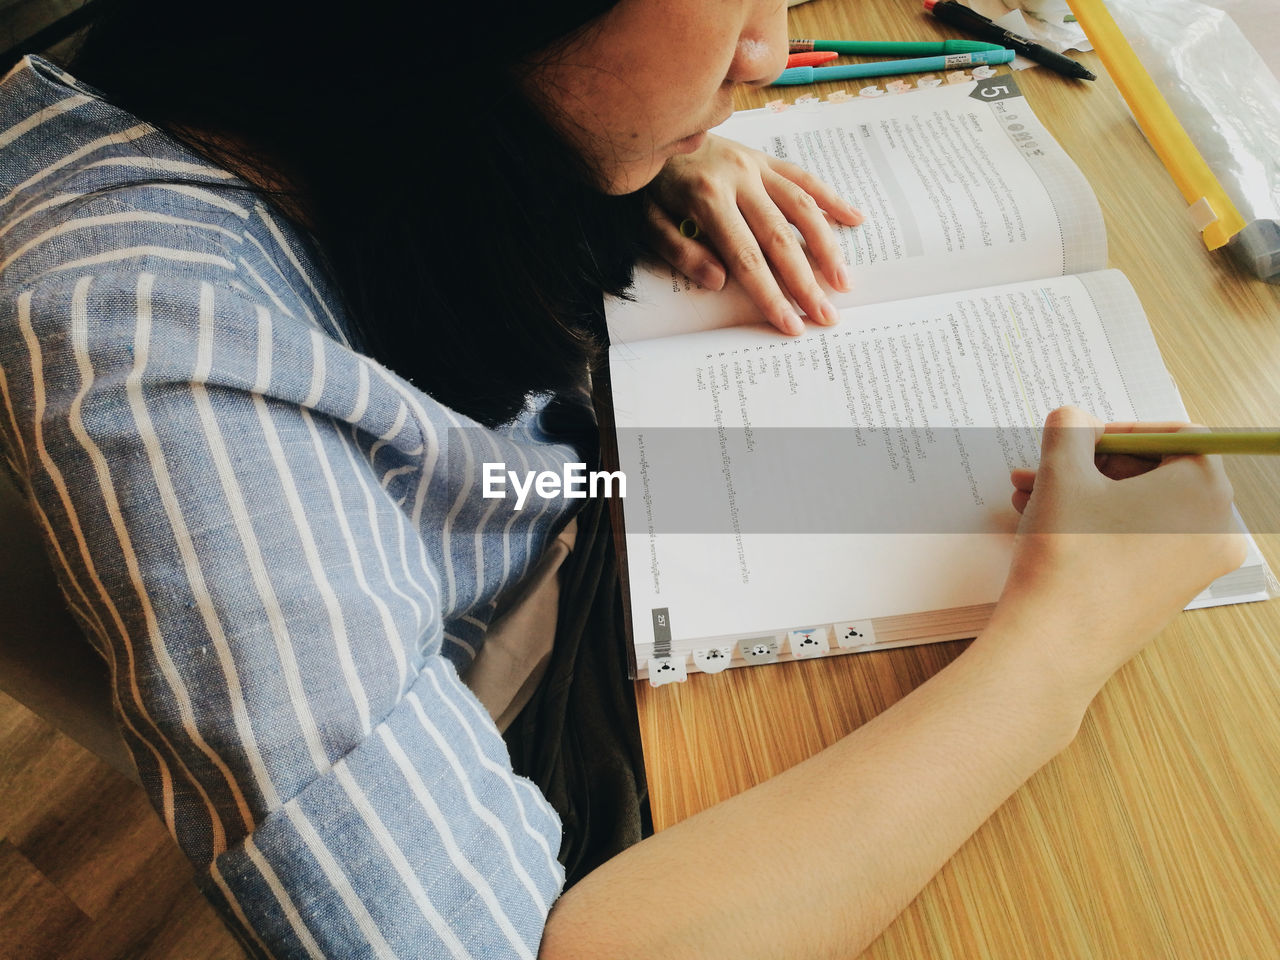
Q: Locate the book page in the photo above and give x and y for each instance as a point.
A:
(960, 185)
(859, 471)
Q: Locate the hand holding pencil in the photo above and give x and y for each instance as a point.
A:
(1083, 558)
(1141, 452)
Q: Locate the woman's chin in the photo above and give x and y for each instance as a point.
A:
(690, 144)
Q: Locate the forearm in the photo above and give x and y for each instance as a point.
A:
(817, 861)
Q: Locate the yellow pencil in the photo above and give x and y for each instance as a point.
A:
(1192, 444)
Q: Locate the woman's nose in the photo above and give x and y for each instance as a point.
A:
(762, 49)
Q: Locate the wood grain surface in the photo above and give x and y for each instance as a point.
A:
(1156, 835)
(87, 870)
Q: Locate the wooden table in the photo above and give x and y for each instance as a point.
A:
(1156, 835)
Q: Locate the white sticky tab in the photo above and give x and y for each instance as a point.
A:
(855, 634)
(982, 71)
(667, 670)
(928, 82)
(777, 106)
(839, 96)
(760, 650)
(806, 100)
(871, 91)
(808, 642)
(713, 659)
(1201, 213)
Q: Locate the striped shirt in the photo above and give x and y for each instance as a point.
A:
(279, 546)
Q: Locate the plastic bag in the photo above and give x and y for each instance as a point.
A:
(1228, 100)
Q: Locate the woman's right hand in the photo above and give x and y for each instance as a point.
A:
(745, 203)
(1108, 551)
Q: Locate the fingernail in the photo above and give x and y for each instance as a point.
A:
(711, 276)
(842, 278)
(794, 325)
(830, 316)
(855, 215)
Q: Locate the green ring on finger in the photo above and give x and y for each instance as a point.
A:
(689, 228)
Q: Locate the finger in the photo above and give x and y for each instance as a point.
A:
(1190, 468)
(1153, 426)
(773, 236)
(687, 255)
(820, 190)
(1123, 466)
(746, 262)
(1020, 500)
(1067, 445)
(1023, 479)
(800, 207)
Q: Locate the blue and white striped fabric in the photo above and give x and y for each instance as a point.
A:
(254, 524)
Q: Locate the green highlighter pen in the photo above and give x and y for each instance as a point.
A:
(892, 48)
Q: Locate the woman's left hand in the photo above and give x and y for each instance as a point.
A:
(744, 203)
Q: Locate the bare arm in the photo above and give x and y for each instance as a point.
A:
(747, 878)
(898, 797)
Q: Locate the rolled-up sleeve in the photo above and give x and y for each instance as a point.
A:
(419, 843)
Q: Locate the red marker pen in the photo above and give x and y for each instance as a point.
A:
(811, 58)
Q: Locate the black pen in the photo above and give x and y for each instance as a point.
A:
(970, 21)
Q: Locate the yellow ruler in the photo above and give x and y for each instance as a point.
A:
(1210, 208)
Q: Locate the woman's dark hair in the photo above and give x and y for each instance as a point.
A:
(466, 236)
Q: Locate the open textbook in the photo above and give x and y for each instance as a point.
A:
(848, 489)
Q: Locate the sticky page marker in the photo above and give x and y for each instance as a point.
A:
(713, 659)
(760, 650)
(667, 670)
(808, 642)
(855, 634)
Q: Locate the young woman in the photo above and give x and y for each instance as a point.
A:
(267, 301)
